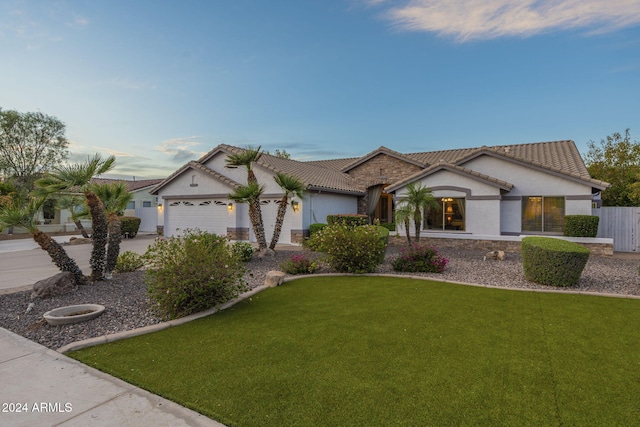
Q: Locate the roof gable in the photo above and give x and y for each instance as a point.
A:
(193, 165)
(443, 165)
(380, 150)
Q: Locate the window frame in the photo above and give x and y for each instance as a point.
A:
(541, 223)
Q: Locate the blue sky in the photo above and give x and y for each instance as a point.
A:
(158, 83)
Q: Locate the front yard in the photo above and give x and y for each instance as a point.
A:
(395, 351)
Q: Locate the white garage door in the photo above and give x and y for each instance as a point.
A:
(205, 214)
(269, 209)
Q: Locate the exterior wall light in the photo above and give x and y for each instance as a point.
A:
(295, 206)
(230, 206)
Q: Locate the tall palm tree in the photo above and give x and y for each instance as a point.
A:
(63, 179)
(23, 214)
(292, 187)
(249, 194)
(72, 204)
(115, 198)
(420, 200)
(246, 159)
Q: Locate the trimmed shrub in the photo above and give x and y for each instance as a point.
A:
(192, 273)
(243, 250)
(554, 262)
(419, 258)
(129, 261)
(298, 264)
(383, 233)
(350, 220)
(391, 226)
(350, 250)
(129, 225)
(313, 228)
(581, 225)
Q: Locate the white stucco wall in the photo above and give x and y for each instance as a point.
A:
(481, 216)
(317, 206)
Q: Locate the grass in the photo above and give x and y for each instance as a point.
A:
(365, 351)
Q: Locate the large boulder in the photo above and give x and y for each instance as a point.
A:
(60, 284)
(79, 240)
(274, 278)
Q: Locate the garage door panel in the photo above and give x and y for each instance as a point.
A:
(206, 215)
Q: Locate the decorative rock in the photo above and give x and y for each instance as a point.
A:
(79, 240)
(274, 278)
(60, 284)
(499, 255)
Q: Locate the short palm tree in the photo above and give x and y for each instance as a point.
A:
(246, 159)
(75, 205)
(115, 197)
(292, 187)
(23, 214)
(420, 200)
(403, 214)
(64, 179)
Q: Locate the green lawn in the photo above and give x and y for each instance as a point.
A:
(380, 351)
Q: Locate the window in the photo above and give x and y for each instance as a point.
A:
(543, 214)
(146, 204)
(131, 204)
(449, 216)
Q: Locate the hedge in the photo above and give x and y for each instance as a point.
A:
(350, 220)
(129, 225)
(554, 262)
(581, 225)
(314, 228)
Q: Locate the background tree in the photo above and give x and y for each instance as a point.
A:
(30, 144)
(115, 197)
(65, 179)
(23, 213)
(280, 153)
(246, 159)
(419, 200)
(292, 187)
(616, 160)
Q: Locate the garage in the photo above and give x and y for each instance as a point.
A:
(204, 214)
(269, 209)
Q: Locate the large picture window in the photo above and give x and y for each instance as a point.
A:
(543, 214)
(449, 216)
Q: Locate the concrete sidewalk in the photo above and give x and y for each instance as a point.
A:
(41, 387)
(23, 262)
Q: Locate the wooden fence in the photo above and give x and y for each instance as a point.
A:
(622, 224)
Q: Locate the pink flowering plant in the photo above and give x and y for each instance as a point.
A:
(419, 258)
(299, 264)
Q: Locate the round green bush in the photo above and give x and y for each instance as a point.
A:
(581, 225)
(554, 262)
(192, 273)
(129, 261)
(350, 249)
(243, 250)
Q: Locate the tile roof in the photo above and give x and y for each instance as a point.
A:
(557, 157)
(132, 185)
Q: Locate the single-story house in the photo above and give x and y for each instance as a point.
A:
(487, 191)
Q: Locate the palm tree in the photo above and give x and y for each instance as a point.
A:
(249, 194)
(246, 159)
(23, 215)
(403, 214)
(63, 179)
(115, 198)
(72, 203)
(420, 200)
(292, 188)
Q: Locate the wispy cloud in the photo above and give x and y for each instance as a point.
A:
(466, 20)
(179, 149)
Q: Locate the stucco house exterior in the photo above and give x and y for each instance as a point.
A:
(486, 191)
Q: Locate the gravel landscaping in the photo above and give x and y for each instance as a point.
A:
(127, 306)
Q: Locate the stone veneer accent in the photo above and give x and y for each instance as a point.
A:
(298, 236)
(368, 174)
(240, 233)
(604, 248)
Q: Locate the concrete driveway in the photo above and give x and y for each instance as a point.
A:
(22, 262)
